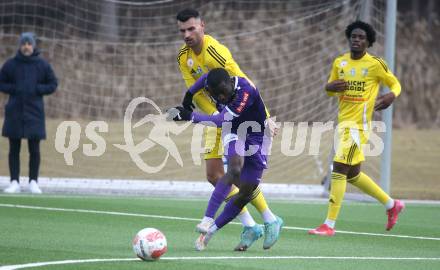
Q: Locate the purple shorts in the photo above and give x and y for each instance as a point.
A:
(255, 162)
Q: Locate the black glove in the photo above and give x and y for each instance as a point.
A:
(187, 102)
(179, 114)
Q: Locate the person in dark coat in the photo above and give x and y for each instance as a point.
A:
(26, 78)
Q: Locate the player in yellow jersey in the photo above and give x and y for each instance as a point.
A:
(200, 54)
(355, 79)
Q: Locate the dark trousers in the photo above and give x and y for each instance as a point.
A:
(14, 159)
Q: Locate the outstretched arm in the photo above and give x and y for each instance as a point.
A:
(215, 120)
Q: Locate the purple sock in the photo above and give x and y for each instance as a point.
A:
(228, 214)
(217, 197)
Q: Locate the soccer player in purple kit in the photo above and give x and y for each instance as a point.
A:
(243, 120)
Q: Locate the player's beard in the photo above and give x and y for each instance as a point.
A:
(190, 42)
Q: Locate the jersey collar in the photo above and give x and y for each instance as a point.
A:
(235, 78)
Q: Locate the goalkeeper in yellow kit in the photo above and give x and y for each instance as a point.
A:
(200, 54)
(355, 79)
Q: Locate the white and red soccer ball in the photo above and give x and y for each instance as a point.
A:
(149, 244)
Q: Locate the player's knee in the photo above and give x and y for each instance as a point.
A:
(234, 167)
(214, 170)
(234, 172)
(243, 198)
(213, 177)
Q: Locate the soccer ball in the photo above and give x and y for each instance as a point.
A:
(149, 244)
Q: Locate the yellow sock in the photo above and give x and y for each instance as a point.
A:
(337, 191)
(234, 190)
(258, 200)
(367, 185)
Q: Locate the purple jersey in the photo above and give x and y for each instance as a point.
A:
(247, 106)
(246, 109)
(247, 114)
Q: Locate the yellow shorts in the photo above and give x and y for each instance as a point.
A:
(213, 143)
(349, 147)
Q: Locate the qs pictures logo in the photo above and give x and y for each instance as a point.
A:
(159, 135)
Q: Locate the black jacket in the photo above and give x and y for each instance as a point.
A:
(26, 79)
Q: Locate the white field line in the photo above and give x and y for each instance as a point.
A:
(197, 198)
(38, 264)
(197, 220)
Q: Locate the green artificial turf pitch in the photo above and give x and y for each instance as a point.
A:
(41, 229)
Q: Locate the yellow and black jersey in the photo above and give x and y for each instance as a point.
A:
(364, 77)
(192, 66)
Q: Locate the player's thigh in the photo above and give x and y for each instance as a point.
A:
(213, 144)
(251, 175)
(355, 170)
(349, 147)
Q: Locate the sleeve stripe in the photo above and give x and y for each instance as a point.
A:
(222, 63)
(216, 53)
(381, 63)
(182, 52)
(184, 49)
(216, 59)
(231, 112)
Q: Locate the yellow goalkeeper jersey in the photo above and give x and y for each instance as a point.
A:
(364, 77)
(192, 66)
